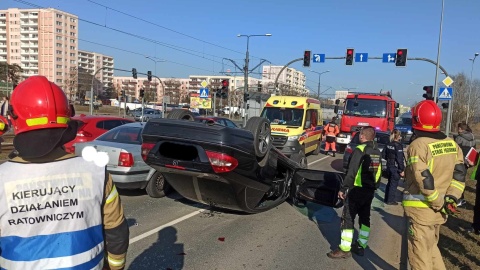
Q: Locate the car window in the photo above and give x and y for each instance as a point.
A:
(108, 124)
(129, 135)
(221, 122)
(230, 124)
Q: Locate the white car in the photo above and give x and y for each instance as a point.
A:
(129, 171)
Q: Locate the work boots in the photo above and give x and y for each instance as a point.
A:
(339, 254)
(357, 249)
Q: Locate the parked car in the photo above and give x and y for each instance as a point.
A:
(231, 168)
(218, 120)
(381, 138)
(147, 114)
(129, 171)
(404, 125)
(92, 126)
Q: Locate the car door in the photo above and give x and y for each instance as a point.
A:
(316, 186)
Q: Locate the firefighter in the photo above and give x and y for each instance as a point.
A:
(435, 180)
(330, 131)
(358, 190)
(56, 210)
(393, 154)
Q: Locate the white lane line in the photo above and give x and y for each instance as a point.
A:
(171, 223)
(318, 160)
(180, 219)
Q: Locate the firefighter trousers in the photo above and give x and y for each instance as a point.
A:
(358, 202)
(330, 143)
(392, 185)
(423, 252)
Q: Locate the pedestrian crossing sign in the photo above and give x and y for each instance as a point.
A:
(446, 93)
(203, 92)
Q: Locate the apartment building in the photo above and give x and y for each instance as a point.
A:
(290, 79)
(41, 41)
(214, 82)
(176, 89)
(91, 62)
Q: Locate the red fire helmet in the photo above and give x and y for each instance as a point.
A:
(426, 116)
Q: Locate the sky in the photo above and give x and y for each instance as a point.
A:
(193, 37)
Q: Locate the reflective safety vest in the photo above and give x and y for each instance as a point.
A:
(51, 215)
(374, 166)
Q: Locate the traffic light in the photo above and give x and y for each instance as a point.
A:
(445, 105)
(428, 92)
(134, 73)
(349, 57)
(246, 97)
(149, 76)
(224, 91)
(142, 93)
(306, 58)
(401, 59)
(259, 87)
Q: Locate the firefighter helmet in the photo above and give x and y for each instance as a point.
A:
(426, 116)
(40, 112)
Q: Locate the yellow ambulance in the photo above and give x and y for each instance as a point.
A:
(296, 125)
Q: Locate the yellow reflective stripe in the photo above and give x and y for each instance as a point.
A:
(458, 185)
(420, 204)
(2, 126)
(432, 197)
(116, 262)
(113, 194)
(411, 160)
(44, 120)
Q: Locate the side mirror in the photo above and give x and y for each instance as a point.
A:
(396, 112)
(397, 105)
(335, 110)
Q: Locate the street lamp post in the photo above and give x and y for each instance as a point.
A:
(319, 77)
(471, 85)
(435, 88)
(246, 73)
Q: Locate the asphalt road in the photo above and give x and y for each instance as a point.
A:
(174, 233)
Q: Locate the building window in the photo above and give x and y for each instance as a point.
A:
(59, 74)
(59, 66)
(72, 62)
(59, 15)
(72, 54)
(58, 37)
(58, 23)
(59, 59)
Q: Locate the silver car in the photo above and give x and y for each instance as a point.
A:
(147, 115)
(123, 147)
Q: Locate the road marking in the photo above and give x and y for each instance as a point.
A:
(180, 219)
(313, 162)
(171, 223)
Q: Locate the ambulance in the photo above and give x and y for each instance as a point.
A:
(296, 125)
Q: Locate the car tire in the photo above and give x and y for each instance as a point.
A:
(317, 150)
(181, 114)
(157, 187)
(300, 158)
(260, 128)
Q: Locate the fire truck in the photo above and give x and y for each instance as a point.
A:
(378, 110)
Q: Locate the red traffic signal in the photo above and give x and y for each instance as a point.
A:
(428, 92)
(401, 59)
(349, 57)
(225, 83)
(306, 58)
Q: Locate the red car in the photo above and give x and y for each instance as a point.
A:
(218, 120)
(92, 126)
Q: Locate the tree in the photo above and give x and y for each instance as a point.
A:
(14, 75)
(70, 85)
(172, 89)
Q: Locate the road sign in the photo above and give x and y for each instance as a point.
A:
(361, 57)
(204, 83)
(445, 93)
(204, 92)
(389, 57)
(447, 81)
(319, 58)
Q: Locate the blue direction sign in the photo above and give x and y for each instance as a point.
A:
(361, 57)
(389, 57)
(319, 58)
(204, 92)
(445, 93)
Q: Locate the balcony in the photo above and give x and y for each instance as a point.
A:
(3, 37)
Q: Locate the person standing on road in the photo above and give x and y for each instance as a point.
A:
(435, 179)
(56, 210)
(331, 131)
(466, 141)
(393, 154)
(358, 190)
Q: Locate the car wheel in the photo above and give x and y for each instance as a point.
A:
(317, 150)
(181, 114)
(300, 158)
(260, 128)
(157, 187)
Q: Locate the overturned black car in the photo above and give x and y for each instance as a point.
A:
(231, 168)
